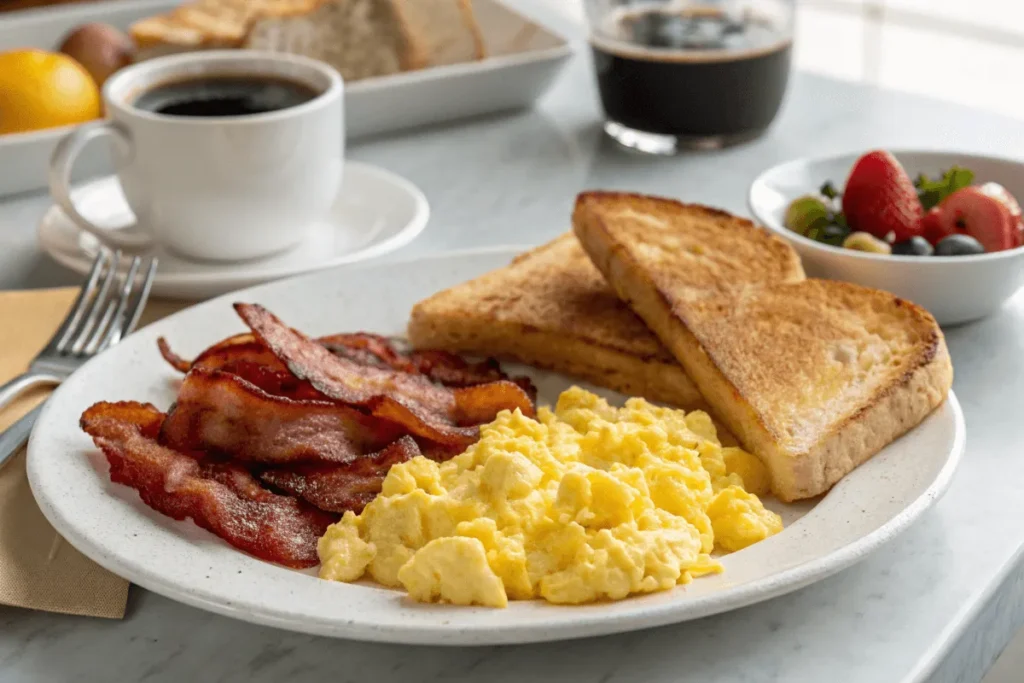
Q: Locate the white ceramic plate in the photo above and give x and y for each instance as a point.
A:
(523, 60)
(375, 213)
(955, 289)
(109, 524)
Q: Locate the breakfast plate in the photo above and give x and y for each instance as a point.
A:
(375, 213)
(109, 523)
(955, 289)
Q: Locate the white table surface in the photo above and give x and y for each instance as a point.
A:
(937, 604)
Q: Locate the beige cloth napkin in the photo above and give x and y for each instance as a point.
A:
(38, 569)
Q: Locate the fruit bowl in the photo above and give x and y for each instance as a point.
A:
(955, 289)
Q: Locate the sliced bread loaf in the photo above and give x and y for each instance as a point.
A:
(359, 38)
(447, 29)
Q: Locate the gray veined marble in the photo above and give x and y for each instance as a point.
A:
(936, 604)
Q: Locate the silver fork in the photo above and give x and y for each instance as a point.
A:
(106, 310)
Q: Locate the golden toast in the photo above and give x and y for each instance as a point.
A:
(208, 24)
(812, 376)
(551, 308)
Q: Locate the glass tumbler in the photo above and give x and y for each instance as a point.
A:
(684, 74)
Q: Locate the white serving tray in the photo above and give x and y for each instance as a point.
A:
(523, 60)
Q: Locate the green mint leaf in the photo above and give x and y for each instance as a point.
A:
(933, 192)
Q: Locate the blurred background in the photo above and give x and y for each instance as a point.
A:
(966, 52)
(969, 52)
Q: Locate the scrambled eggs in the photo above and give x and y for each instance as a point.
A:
(588, 502)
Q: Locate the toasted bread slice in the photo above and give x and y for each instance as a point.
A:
(359, 38)
(208, 24)
(550, 308)
(447, 28)
(163, 34)
(812, 376)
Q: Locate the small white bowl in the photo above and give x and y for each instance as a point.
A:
(955, 289)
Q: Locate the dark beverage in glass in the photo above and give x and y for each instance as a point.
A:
(674, 75)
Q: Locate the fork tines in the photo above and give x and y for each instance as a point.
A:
(107, 308)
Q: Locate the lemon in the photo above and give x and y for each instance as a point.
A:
(41, 89)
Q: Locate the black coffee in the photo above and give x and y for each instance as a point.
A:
(691, 73)
(224, 96)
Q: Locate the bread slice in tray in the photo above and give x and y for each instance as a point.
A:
(366, 38)
(813, 376)
(448, 30)
(359, 38)
(208, 24)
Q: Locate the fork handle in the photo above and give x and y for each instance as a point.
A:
(15, 436)
(9, 391)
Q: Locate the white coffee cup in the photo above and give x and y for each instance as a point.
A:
(223, 188)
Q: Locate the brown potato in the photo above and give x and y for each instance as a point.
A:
(100, 48)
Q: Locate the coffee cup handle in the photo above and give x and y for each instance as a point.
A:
(129, 237)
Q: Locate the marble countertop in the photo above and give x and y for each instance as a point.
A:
(936, 604)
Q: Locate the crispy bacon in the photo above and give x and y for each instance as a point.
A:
(337, 488)
(239, 347)
(227, 501)
(443, 415)
(272, 381)
(223, 413)
(242, 355)
(244, 351)
(176, 361)
(443, 367)
(368, 349)
(301, 415)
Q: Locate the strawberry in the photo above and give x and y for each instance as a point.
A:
(980, 215)
(999, 192)
(880, 198)
(934, 228)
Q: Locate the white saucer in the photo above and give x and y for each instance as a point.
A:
(375, 213)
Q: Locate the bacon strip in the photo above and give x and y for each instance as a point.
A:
(368, 349)
(432, 412)
(242, 355)
(176, 361)
(363, 348)
(221, 412)
(239, 347)
(443, 367)
(229, 503)
(337, 488)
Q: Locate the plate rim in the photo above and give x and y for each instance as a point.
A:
(636, 618)
(412, 229)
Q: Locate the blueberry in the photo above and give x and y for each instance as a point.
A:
(915, 246)
(958, 245)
